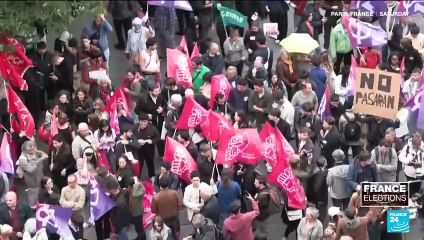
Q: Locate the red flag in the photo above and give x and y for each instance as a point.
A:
(147, 203)
(182, 164)
(215, 125)
(241, 145)
(102, 160)
(17, 58)
(192, 115)
(111, 108)
(219, 84)
(6, 162)
(122, 100)
(15, 105)
(179, 67)
(269, 144)
(8, 72)
(283, 176)
(195, 52)
(14, 125)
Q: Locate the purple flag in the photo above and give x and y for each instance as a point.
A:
(415, 106)
(324, 106)
(369, 6)
(362, 34)
(410, 7)
(100, 203)
(55, 219)
(178, 4)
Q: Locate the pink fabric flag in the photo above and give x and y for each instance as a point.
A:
(147, 203)
(182, 164)
(219, 84)
(352, 76)
(6, 162)
(179, 67)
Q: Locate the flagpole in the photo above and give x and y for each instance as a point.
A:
(7, 97)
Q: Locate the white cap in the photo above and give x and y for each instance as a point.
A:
(137, 21)
(332, 211)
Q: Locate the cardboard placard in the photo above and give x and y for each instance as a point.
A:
(271, 30)
(377, 93)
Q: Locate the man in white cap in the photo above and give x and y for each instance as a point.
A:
(137, 38)
(173, 115)
(82, 140)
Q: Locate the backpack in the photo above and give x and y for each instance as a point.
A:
(352, 129)
(274, 204)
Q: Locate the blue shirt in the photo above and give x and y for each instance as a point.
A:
(318, 76)
(226, 196)
(89, 30)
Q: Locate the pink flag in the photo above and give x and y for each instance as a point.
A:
(195, 52)
(241, 145)
(183, 45)
(147, 203)
(192, 115)
(179, 67)
(401, 69)
(282, 174)
(182, 164)
(53, 129)
(6, 162)
(15, 105)
(221, 85)
(352, 75)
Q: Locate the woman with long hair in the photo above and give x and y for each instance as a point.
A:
(240, 120)
(104, 138)
(277, 84)
(48, 192)
(64, 128)
(285, 73)
(229, 191)
(159, 230)
(64, 102)
(82, 106)
(342, 86)
(62, 163)
(124, 174)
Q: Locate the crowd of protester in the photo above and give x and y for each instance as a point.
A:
(333, 155)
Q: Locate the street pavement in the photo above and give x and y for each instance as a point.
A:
(119, 64)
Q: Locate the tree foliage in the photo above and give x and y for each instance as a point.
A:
(22, 17)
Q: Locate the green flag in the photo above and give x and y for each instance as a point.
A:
(231, 16)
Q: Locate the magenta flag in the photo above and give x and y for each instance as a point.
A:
(100, 203)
